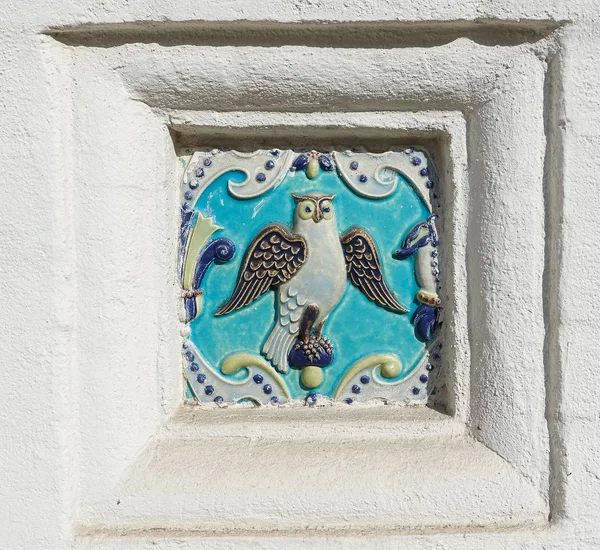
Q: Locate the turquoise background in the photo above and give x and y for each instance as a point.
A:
(357, 326)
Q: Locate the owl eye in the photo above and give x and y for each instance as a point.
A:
(327, 209)
(306, 210)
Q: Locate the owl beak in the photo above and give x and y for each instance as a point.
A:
(318, 215)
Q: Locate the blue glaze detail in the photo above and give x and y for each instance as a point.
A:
(326, 163)
(275, 152)
(423, 378)
(363, 178)
(426, 320)
(274, 399)
(269, 165)
(429, 184)
(407, 249)
(189, 356)
(207, 161)
(218, 399)
(267, 388)
(219, 251)
(354, 165)
(312, 397)
(299, 358)
(365, 379)
(194, 183)
(261, 177)
(194, 367)
(356, 388)
(258, 378)
(416, 390)
(187, 215)
(188, 195)
(429, 367)
(415, 160)
(424, 171)
(349, 400)
(209, 390)
(201, 378)
(200, 172)
(191, 308)
(301, 162)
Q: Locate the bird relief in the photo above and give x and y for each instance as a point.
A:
(325, 281)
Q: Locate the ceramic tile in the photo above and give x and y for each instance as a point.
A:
(309, 276)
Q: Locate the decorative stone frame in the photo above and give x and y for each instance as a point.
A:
(173, 470)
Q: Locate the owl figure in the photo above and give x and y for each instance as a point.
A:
(308, 266)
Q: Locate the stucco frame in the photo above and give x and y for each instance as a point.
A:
(497, 385)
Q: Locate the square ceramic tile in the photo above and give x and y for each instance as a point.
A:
(309, 275)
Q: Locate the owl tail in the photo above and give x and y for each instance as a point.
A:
(277, 347)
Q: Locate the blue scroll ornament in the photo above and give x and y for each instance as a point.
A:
(196, 254)
(219, 251)
(422, 239)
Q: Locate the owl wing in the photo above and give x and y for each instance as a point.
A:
(364, 268)
(273, 257)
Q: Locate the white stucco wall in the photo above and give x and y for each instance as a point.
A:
(95, 449)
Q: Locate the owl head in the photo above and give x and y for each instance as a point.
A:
(314, 206)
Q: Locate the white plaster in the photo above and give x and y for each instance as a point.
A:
(91, 373)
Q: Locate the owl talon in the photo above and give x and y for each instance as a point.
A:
(319, 330)
(308, 320)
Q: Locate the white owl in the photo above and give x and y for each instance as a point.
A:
(308, 267)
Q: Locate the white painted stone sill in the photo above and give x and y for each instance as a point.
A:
(310, 422)
(398, 469)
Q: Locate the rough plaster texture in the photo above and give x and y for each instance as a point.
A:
(96, 451)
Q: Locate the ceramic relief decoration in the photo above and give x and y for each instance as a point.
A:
(324, 280)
